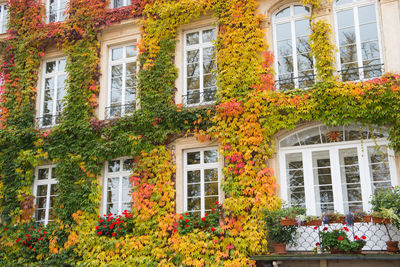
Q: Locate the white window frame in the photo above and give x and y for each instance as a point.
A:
(3, 17)
(59, 11)
(354, 6)
(47, 182)
(333, 148)
(199, 46)
(125, 3)
(201, 166)
(292, 20)
(56, 74)
(122, 61)
(119, 174)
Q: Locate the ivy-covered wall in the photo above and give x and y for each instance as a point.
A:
(248, 113)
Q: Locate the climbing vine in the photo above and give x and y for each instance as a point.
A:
(248, 114)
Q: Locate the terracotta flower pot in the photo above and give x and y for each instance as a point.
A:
(316, 222)
(376, 220)
(287, 222)
(279, 248)
(392, 246)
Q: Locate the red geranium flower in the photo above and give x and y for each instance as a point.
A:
(317, 244)
(216, 202)
(187, 220)
(364, 237)
(315, 227)
(212, 229)
(203, 219)
(181, 218)
(97, 227)
(100, 233)
(186, 214)
(174, 230)
(5, 229)
(213, 209)
(113, 234)
(206, 215)
(346, 229)
(325, 229)
(187, 226)
(340, 238)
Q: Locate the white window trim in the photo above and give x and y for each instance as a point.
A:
(291, 19)
(3, 18)
(123, 61)
(199, 46)
(125, 3)
(354, 7)
(119, 174)
(59, 11)
(201, 166)
(47, 182)
(333, 148)
(44, 76)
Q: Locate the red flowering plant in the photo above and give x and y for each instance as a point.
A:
(187, 222)
(338, 240)
(34, 240)
(115, 225)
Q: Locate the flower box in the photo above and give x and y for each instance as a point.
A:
(317, 222)
(377, 220)
(364, 219)
(287, 222)
(338, 220)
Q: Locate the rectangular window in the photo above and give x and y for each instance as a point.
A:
(323, 181)
(3, 18)
(200, 66)
(201, 180)
(358, 41)
(56, 10)
(295, 174)
(120, 3)
(53, 92)
(117, 188)
(45, 193)
(122, 81)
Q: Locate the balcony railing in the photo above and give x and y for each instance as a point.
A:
(362, 73)
(291, 83)
(197, 98)
(376, 235)
(119, 110)
(47, 121)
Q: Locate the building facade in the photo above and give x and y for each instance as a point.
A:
(157, 110)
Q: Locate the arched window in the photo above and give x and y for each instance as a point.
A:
(335, 168)
(358, 39)
(294, 65)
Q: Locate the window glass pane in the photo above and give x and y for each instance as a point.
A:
(342, 2)
(332, 134)
(192, 38)
(193, 56)
(40, 215)
(300, 10)
(295, 176)
(290, 141)
(368, 32)
(43, 174)
(284, 48)
(345, 18)
(350, 174)
(193, 204)
(114, 165)
(322, 181)
(283, 31)
(211, 156)
(284, 13)
(131, 51)
(117, 53)
(379, 167)
(193, 176)
(211, 189)
(209, 35)
(302, 27)
(210, 202)
(50, 66)
(193, 158)
(193, 190)
(310, 137)
(366, 14)
(128, 164)
(211, 175)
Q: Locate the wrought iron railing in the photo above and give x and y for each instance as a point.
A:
(196, 99)
(47, 121)
(291, 83)
(119, 110)
(362, 73)
(376, 235)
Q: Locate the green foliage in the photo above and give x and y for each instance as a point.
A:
(337, 239)
(281, 233)
(386, 204)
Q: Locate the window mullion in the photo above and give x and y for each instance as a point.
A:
(284, 179)
(46, 217)
(392, 167)
(202, 193)
(201, 47)
(336, 180)
(119, 194)
(358, 43)
(365, 178)
(123, 89)
(55, 92)
(294, 54)
(309, 187)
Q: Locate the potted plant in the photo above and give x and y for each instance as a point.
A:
(313, 221)
(337, 242)
(292, 216)
(386, 206)
(280, 235)
(332, 217)
(359, 216)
